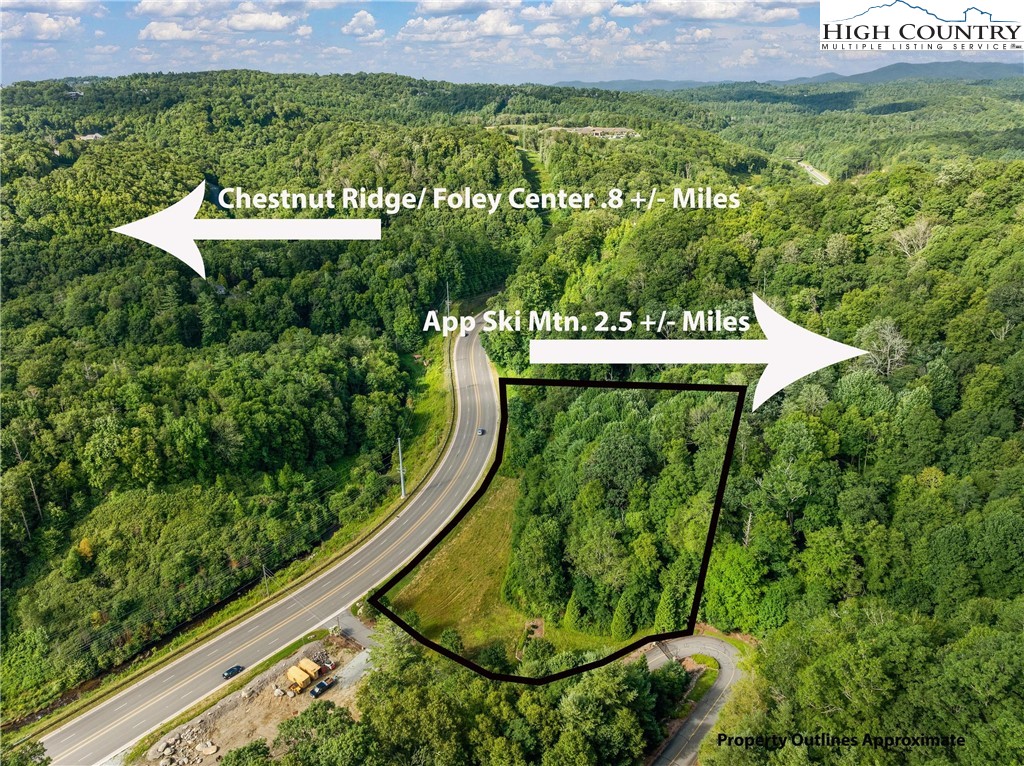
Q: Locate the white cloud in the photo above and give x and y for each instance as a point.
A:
(572, 9)
(104, 50)
(247, 19)
(320, 5)
(631, 9)
(443, 29)
(645, 26)
(506, 52)
(169, 30)
(694, 35)
(774, 14)
(49, 53)
(58, 6)
(362, 23)
(169, 8)
(498, 22)
(38, 26)
(646, 51)
(192, 20)
(549, 28)
(215, 53)
(142, 54)
(304, 31)
(708, 9)
(335, 51)
(450, 7)
(364, 27)
(608, 31)
(747, 59)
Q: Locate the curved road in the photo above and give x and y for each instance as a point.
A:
(683, 746)
(110, 727)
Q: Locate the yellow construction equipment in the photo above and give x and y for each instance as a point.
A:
(303, 674)
(299, 678)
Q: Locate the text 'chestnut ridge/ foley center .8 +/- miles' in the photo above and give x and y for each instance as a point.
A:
(440, 198)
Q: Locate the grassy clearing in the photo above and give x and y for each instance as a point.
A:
(705, 681)
(459, 584)
(138, 752)
(703, 685)
(430, 421)
(706, 661)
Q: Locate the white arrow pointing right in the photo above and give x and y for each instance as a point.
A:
(790, 351)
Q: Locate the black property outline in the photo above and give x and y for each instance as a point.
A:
(503, 383)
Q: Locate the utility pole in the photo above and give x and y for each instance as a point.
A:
(401, 469)
(447, 299)
(266, 579)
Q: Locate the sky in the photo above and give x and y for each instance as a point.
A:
(503, 41)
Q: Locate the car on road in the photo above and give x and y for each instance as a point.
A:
(233, 671)
(321, 687)
(480, 432)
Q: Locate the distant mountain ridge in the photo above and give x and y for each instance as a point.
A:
(935, 70)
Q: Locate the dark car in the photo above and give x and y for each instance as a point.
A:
(233, 671)
(321, 687)
(480, 432)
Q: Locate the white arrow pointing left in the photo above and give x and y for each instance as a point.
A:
(176, 229)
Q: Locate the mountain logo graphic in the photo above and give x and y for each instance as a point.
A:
(970, 15)
(936, 25)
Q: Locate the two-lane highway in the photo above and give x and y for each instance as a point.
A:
(113, 725)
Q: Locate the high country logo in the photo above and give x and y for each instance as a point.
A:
(903, 25)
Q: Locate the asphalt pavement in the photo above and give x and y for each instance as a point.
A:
(110, 727)
(816, 175)
(682, 748)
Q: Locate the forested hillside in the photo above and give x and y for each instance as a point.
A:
(165, 436)
(847, 128)
(591, 534)
(873, 524)
(616, 493)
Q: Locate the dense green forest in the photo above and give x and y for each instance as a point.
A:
(615, 503)
(849, 128)
(888, 488)
(166, 437)
(161, 431)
